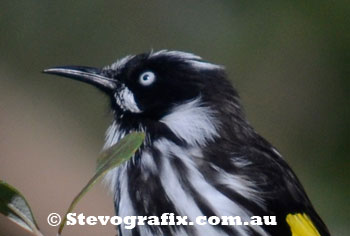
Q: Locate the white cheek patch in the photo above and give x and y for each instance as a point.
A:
(126, 100)
(192, 122)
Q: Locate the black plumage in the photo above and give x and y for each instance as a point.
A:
(198, 140)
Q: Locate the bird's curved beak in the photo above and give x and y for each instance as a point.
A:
(85, 74)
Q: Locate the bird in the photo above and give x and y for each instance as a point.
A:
(200, 157)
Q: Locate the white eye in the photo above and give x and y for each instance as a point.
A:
(147, 78)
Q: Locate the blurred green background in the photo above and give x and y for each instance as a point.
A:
(288, 59)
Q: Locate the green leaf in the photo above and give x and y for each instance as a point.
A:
(124, 149)
(15, 207)
(110, 158)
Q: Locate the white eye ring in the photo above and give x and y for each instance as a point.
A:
(147, 78)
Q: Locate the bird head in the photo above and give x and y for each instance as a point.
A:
(148, 87)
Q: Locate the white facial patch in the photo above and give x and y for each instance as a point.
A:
(183, 55)
(202, 65)
(192, 59)
(192, 122)
(126, 100)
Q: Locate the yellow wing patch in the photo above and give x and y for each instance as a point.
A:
(301, 225)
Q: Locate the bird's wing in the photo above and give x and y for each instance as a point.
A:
(286, 196)
(301, 225)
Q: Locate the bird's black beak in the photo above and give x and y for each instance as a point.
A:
(85, 74)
